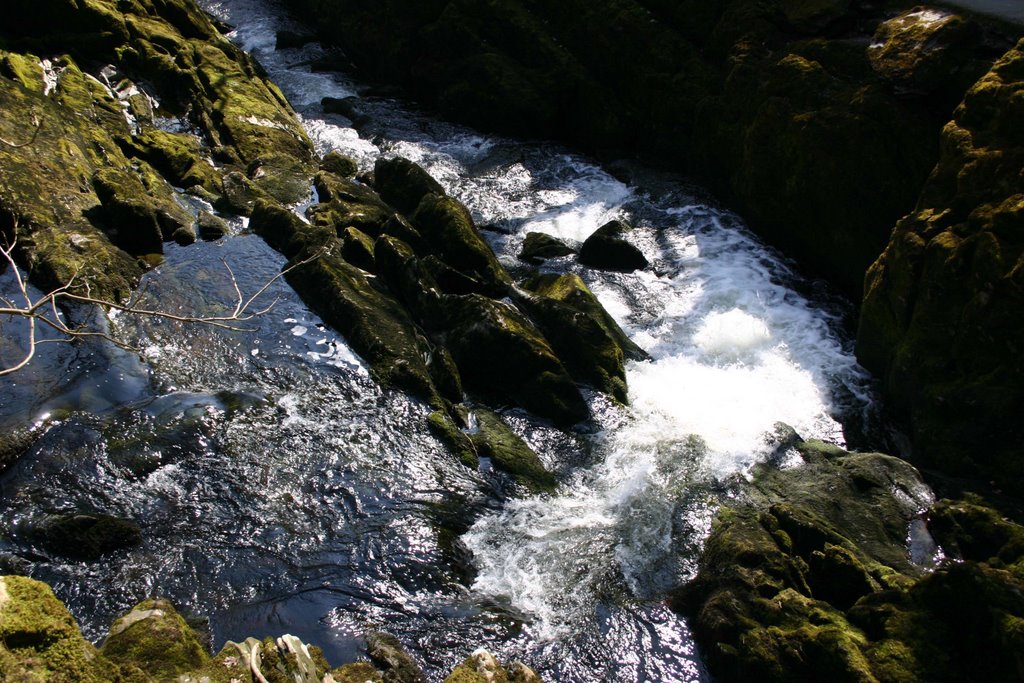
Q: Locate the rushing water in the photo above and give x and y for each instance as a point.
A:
(279, 489)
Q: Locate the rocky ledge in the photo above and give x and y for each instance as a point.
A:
(40, 641)
(808, 576)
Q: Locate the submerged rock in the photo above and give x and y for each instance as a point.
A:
(86, 536)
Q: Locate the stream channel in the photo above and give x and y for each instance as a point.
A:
(280, 490)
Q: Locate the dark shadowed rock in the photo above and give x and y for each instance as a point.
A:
(607, 249)
(538, 247)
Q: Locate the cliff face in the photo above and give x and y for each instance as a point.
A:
(779, 105)
(941, 320)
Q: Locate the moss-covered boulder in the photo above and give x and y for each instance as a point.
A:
(810, 578)
(339, 164)
(40, 641)
(539, 247)
(154, 638)
(940, 322)
(928, 51)
(593, 346)
(503, 357)
(449, 230)
(403, 184)
(396, 664)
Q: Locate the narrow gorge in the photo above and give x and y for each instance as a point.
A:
(511, 341)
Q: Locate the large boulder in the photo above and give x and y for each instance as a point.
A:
(592, 344)
(940, 322)
(503, 357)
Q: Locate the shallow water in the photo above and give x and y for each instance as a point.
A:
(280, 490)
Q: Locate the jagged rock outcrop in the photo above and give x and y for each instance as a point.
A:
(941, 324)
(809, 577)
(81, 157)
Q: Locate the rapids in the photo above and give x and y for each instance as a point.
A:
(280, 490)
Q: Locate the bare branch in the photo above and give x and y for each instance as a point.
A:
(45, 309)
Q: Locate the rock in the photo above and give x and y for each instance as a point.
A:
(340, 165)
(403, 184)
(211, 227)
(483, 667)
(86, 536)
(376, 326)
(538, 247)
(13, 443)
(939, 322)
(347, 203)
(447, 228)
(357, 248)
(606, 249)
(154, 638)
(494, 439)
(359, 672)
(398, 667)
(503, 358)
(444, 428)
(808, 579)
(590, 342)
(287, 233)
(40, 641)
(926, 50)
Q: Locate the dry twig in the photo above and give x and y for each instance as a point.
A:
(44, 311)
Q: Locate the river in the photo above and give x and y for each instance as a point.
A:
(280, 490)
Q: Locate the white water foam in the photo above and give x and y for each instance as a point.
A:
(733, 351)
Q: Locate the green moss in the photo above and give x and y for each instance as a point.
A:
(155, 638)
(495, 440)
(591, 344)
(447, 432)
(40, 641)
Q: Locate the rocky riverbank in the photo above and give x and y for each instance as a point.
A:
(131, 124)
(825, 123)
(153, 643)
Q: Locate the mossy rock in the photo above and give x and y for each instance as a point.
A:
(372, 321)
(503, 358)
(937, 323)
(40, 641)
(339, 164)
(211, 227)
(403, 184)
(448, 229)
(157, 640)
(483, 667)
(587, 339)
(357, 248)
(444, 428)
(606, 249)
(346, 203)
(396, 664)
(495, 440)
(539, 247)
